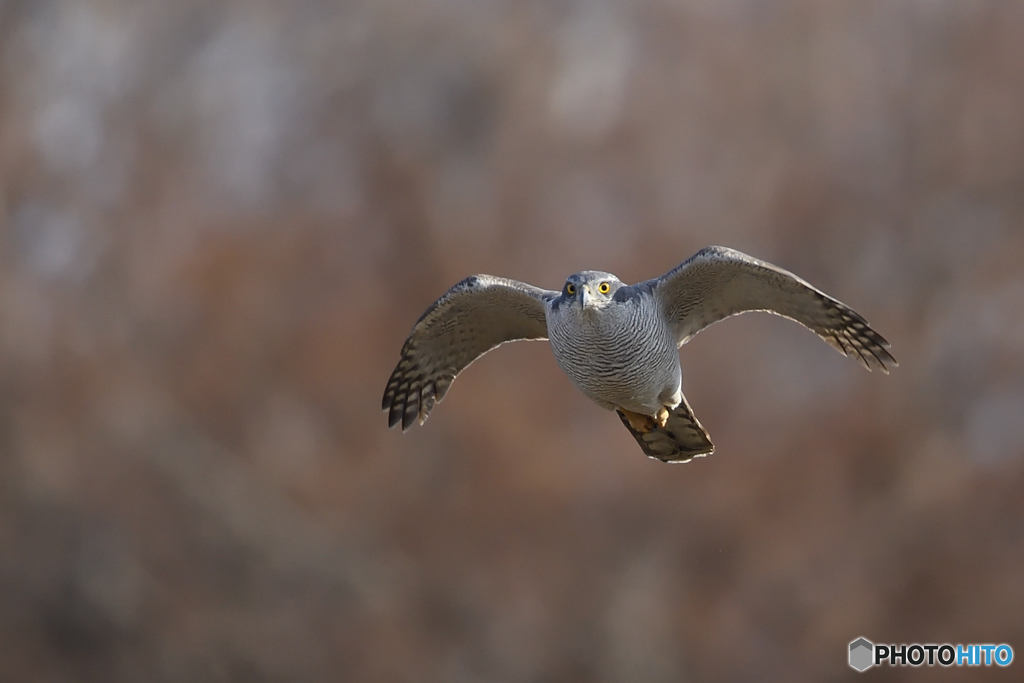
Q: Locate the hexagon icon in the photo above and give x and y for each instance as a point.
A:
(862, 653)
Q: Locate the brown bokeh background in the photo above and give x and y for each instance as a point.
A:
(220, 220)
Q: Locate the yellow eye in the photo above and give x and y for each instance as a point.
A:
(570, 289)
(603, 287)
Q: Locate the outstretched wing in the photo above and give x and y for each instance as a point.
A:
(717, 282)
(471, 318)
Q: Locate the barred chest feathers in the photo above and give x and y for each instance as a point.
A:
(619, 355)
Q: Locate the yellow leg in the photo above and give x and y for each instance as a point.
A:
(641, 423)
(662, 417)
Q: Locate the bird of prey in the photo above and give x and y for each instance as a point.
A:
(618, 343)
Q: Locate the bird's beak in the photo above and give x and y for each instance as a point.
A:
(585, 297)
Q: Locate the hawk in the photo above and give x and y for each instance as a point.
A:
(618, 343)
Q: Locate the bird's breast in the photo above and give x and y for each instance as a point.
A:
(622, 358)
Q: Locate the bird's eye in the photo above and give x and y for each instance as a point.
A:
(604, 287)
(570, 289)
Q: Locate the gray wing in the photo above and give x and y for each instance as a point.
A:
(471, 318)
(717, 282)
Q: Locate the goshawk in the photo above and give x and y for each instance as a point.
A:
(616, 342)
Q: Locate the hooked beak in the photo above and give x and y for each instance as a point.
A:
(584, 296)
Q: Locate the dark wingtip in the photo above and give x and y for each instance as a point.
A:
(394, 415)
(884, 358)
(409, 415)
(857, 339)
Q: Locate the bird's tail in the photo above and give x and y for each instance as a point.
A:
(680, 440)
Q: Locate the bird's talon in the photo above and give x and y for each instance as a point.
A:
(662, 417)
(641, 423)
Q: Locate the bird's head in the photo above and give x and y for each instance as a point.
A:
(591, 289)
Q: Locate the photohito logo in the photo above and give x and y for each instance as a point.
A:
(864, 654)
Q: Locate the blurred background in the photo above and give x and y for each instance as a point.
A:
(219, 220)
